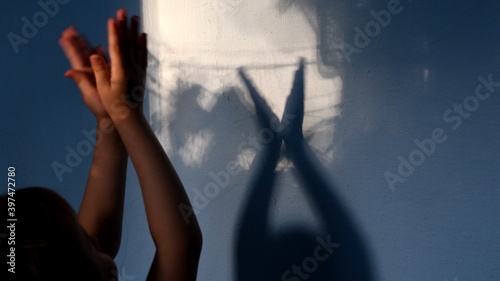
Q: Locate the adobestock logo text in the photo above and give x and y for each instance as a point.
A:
(39, 19)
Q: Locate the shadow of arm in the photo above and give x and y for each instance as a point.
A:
(351, 259)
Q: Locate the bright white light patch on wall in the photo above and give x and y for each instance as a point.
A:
(206, 100)
(202, 44)
(245, 158)
(205, 43)
(196, 147)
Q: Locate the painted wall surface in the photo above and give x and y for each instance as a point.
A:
(394, 175)
(401, 120)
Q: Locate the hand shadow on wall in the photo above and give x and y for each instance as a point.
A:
(295, 253)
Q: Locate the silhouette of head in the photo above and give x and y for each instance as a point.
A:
(50, 244)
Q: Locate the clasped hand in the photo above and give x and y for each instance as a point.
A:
(111, 88)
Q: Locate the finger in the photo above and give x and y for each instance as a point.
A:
(248, 83)
(83, 48)
(86, 70)
(121, 18)
(100, 51)
(115, 53)
(143, 51)
(294, 107)
(68, 44)
(75, 48)
(134, 38)
(295, 101)
(264, 112)
(81, 80)
(122, 31)
(121, 15)
(100, 72)
(77, 56)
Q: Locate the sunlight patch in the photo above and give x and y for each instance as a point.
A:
(206, 100)
(196, 147)
(245, 158)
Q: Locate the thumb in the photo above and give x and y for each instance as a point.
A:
(76, 75)
(80, 78)
(100, 71)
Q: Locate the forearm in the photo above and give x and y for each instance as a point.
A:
(162, 189)
(178, 244)
(101, 211)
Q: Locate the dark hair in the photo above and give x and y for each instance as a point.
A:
(50, 244)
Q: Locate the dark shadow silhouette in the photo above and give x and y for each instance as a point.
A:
(395, 91)
(295, 253)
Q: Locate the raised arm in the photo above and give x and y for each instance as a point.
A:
(101, 211)
(178, 244)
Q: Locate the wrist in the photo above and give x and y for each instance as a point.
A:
(132, 126)
(121, 109)
(99, 117)
(126, 114)
(106, 131)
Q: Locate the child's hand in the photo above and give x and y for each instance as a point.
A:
(78, 52)
(121, 88)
